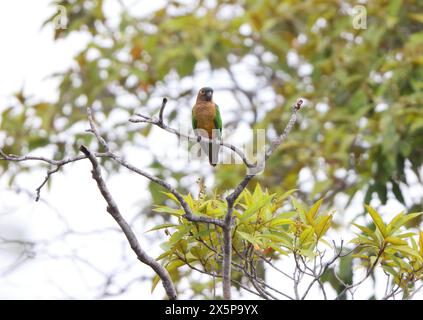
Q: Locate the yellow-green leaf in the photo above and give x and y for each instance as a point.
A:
(394, 224)
(367, 232)
(285, 195)
(162, 226)
(322, 226)
(156, 280)
(258, 192)
(396, 241)
(280, 222)
(171, 196)
(407, 251)
(281, 238)
(247, 237)
(311, 214)
(178, 235)
(377, 219)
(168, 210)
(298, 206)
(306, 236)
(255, 207)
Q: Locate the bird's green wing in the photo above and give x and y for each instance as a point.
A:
(217, 119)
(194, 121)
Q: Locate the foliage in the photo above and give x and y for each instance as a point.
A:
(363, 124)
(272, 226)
(394, 247)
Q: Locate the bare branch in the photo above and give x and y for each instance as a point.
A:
(323, 270)
(161, 110)
(188, 212)
(278, 141)
(15, 158)
(57, 163)
(113, 209)
(368, 273)
(49, 173)
(95, 130)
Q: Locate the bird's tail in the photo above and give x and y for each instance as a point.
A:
(213, 154)
(212, 151)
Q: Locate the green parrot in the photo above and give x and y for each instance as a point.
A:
(206, 122)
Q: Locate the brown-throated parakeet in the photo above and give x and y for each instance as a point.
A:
(206, 122)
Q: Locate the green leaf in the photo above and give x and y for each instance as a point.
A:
(299, 207)
(189, 200)
(322, 226)
(406, 235)
(395, 223)
(396, 241)
(278, 238)
(171, 196)
(162, 226)
(164, 255)
(247, 237)
(307, 253)
(416, 16)
(390, 270)
(280, 222)
(306, 236)
(407, 251)
(367, 232)
(255, 207)
(409, 217)
(363, 240)
(421, 243)
(156, 280)
(285, 195)
(311, 214)
(258, 192)
(178, 235)
(168, 210)
(278, 249)
(174, 265)
(377, 220)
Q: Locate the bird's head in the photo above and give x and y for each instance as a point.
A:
(205, 94)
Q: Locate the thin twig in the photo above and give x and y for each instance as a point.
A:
(95, 130)
(49, 173)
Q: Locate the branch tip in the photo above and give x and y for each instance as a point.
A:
(298, 104)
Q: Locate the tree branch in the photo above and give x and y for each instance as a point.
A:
(225, 224)
(95, 130)
(231, 198)
(113, 209)
(159, 122)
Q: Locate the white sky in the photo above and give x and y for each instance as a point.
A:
(28, 56)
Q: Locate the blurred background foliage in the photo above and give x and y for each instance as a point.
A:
(361, 129)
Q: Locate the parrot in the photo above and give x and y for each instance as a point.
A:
(206, 122)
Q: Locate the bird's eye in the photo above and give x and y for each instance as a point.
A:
(202, 91)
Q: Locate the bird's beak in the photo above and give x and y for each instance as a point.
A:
(209, 95)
